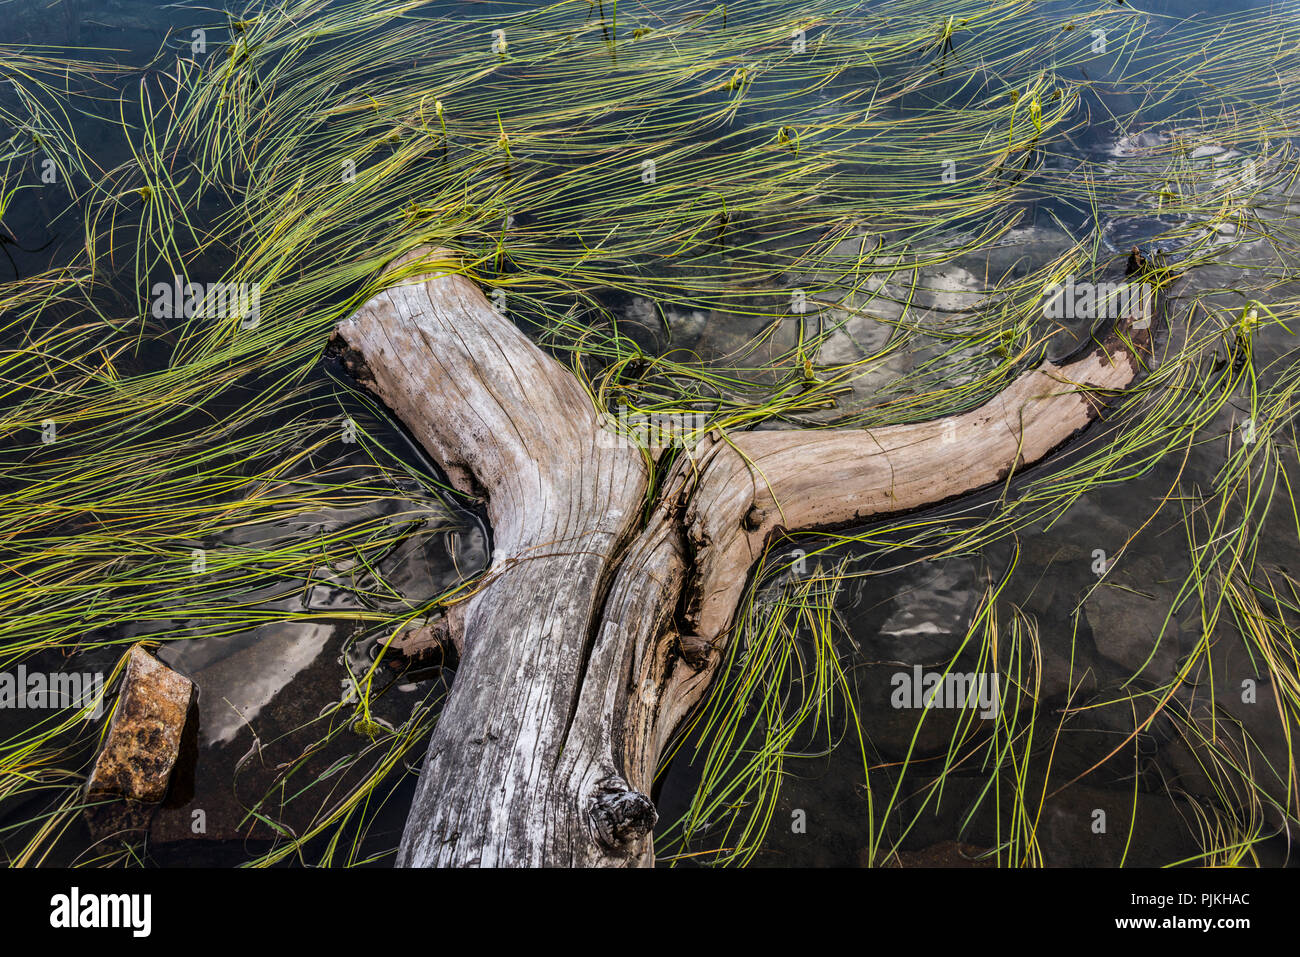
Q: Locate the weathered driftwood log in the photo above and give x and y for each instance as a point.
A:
(596, 630)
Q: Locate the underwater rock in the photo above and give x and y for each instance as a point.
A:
(141, 747)
(1086, 826)
(944, 854)
(241, 674)
(929, 608)
(1128, 627)
(1239, 727)
(295, 683)
(916, 616)
(948, 288)
(860, 324)
(1138, 163)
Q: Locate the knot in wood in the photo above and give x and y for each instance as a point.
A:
(621, 815)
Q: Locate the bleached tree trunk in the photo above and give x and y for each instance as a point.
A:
(597, 631)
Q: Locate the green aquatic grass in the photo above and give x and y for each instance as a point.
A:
(785, 689)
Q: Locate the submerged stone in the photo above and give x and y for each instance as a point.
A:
(1127, 615)
(943, 854)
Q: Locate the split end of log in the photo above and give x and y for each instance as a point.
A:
(621, 815)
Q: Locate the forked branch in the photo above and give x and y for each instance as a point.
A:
(595, 634)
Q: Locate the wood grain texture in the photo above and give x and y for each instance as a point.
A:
(510, 425)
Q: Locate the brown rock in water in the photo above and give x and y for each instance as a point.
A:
(134, 766)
